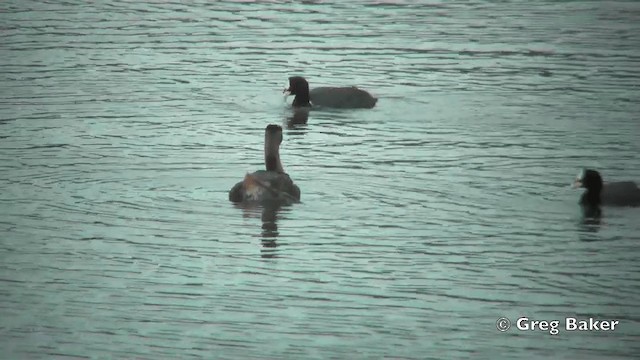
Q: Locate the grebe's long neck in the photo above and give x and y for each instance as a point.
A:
(272, 151)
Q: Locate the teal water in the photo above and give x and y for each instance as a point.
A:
(124, 124)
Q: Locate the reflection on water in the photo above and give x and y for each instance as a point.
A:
(298, 117)
(423, 220)
(269, 217)
(592, 215)
(269, 230)
(590, 223)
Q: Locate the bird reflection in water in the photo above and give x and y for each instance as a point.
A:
(297, 118)
(590, 223)
(269, 217)
(270, 233)
(592, 217)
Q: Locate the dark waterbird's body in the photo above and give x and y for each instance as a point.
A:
(347, 97)
(272, 184)
(622, 193)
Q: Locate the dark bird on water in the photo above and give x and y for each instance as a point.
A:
(272, 184)
(349, 97)
(621, 193)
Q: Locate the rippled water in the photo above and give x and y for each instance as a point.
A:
(422, 221)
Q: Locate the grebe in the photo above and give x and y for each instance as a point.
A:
(272, 184)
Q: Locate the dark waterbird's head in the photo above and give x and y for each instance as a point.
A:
(299, 87)
(272, 141)
(592, 181)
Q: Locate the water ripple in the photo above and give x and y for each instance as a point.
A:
(422, 221)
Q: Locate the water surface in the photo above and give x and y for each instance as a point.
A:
(423, 220)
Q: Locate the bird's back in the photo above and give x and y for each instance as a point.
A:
(623, 193)
(263, 185)
(342, 97)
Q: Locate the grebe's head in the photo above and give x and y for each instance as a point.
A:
(298, 86)
(273, 134)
